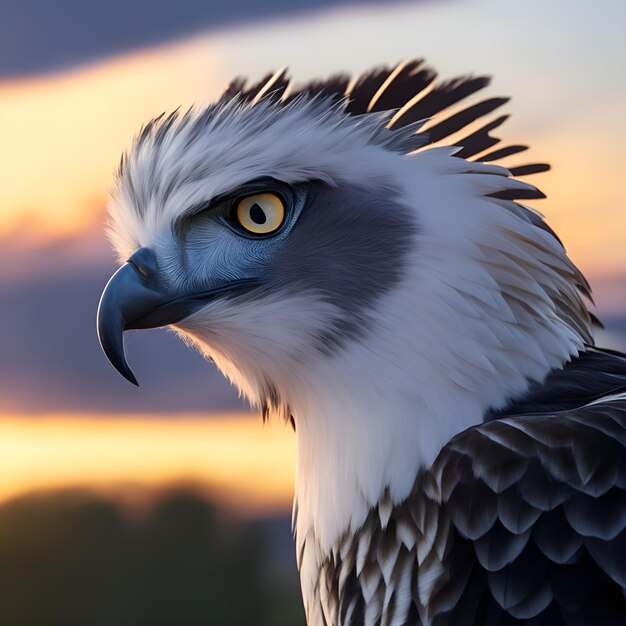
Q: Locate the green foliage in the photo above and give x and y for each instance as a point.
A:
(77, 560)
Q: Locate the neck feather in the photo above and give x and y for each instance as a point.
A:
(369, 418)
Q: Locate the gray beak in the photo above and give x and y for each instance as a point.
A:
(135, 298)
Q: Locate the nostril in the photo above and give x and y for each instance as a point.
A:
(144, 261)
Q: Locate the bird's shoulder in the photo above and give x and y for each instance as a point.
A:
(535, 502)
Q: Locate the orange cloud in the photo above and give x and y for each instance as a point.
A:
(62, 136)
(585, 203)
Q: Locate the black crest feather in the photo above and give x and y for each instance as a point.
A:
(411, 92)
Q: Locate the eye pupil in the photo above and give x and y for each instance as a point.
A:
(257, 214)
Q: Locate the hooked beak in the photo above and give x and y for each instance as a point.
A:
(135, 298)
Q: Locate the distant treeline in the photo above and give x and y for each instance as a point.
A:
(75, 559)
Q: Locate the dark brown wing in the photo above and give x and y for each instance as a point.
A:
(537, 505)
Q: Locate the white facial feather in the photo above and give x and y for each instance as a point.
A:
(306, 140)
(488, 302)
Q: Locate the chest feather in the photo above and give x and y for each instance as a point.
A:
(388, 572)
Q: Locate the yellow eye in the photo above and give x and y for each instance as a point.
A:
(261, 214)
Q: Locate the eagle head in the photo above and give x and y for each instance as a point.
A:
(375, 280)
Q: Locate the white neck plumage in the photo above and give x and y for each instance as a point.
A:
(363, 430)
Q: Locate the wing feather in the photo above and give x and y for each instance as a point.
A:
(561, 525)
(520, 520)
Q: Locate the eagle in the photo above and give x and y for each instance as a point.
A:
(352, 257)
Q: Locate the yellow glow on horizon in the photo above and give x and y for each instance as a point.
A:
(245, 464)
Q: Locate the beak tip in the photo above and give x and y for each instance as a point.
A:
(117, 358)
(130, 377)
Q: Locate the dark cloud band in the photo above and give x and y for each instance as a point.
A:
(38, 36)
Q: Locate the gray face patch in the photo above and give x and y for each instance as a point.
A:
(345, 245)
(349, 245)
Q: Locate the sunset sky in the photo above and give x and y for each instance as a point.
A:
(77, 83)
